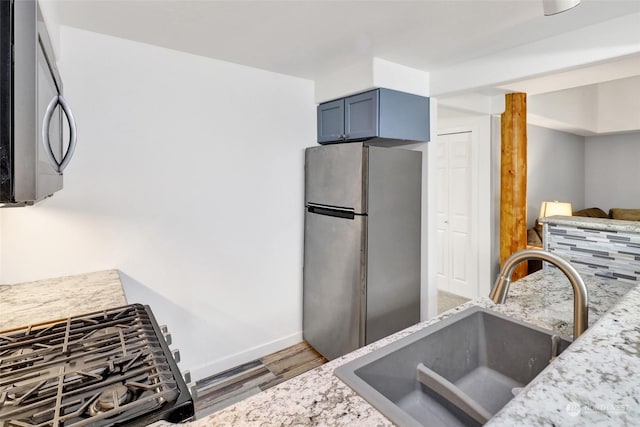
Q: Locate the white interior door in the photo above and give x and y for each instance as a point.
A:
(456, 243)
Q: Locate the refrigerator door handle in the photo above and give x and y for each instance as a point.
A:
(331, 211)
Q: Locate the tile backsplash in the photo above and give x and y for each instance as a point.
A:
(602, 253)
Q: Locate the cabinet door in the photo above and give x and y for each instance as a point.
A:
(331, 121)
(361, 115)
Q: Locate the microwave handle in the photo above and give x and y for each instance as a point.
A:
(55, 101)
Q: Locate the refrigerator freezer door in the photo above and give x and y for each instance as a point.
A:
(333, 283)
(334, 176)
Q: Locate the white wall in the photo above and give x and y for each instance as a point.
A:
(619, 105)
(188, 178)
(612, 171)
(568, 110)
(496, 147)
(368, 74)
(555, 169)
(607, 107)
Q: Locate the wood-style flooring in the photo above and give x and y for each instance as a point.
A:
(233, 385)
(236, 384)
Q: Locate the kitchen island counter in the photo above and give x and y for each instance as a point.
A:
(594, 382)
(600, 224)
(47, 300)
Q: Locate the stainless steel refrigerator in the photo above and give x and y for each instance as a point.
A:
(361, 245)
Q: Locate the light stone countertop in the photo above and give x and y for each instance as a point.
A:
(594, 382)
(603, 224)
(47, 300)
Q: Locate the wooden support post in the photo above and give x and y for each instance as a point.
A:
(513, 180)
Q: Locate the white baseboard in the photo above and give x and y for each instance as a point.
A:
(216, 366)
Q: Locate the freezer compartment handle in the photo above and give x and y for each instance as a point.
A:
(329, 211)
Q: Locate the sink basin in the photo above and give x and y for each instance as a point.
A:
(457, 372)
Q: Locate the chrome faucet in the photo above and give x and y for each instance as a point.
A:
(580, 296)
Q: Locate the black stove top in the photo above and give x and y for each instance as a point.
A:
(110, 367)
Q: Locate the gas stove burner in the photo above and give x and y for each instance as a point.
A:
(111, 398)
(108, 368)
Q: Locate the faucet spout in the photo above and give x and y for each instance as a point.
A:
(580, 296)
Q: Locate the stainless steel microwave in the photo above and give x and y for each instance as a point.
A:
(33, 111)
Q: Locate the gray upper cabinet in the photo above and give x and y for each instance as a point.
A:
(361, 116)
(331, 121)
(382, 114)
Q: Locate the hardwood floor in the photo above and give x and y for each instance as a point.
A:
(233, 385)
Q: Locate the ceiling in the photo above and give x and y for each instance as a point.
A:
(310, 38)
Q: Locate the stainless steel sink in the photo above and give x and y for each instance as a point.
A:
(459, 371)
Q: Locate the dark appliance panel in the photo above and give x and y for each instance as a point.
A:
(111, 367)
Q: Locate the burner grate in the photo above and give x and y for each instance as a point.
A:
(104, 368)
